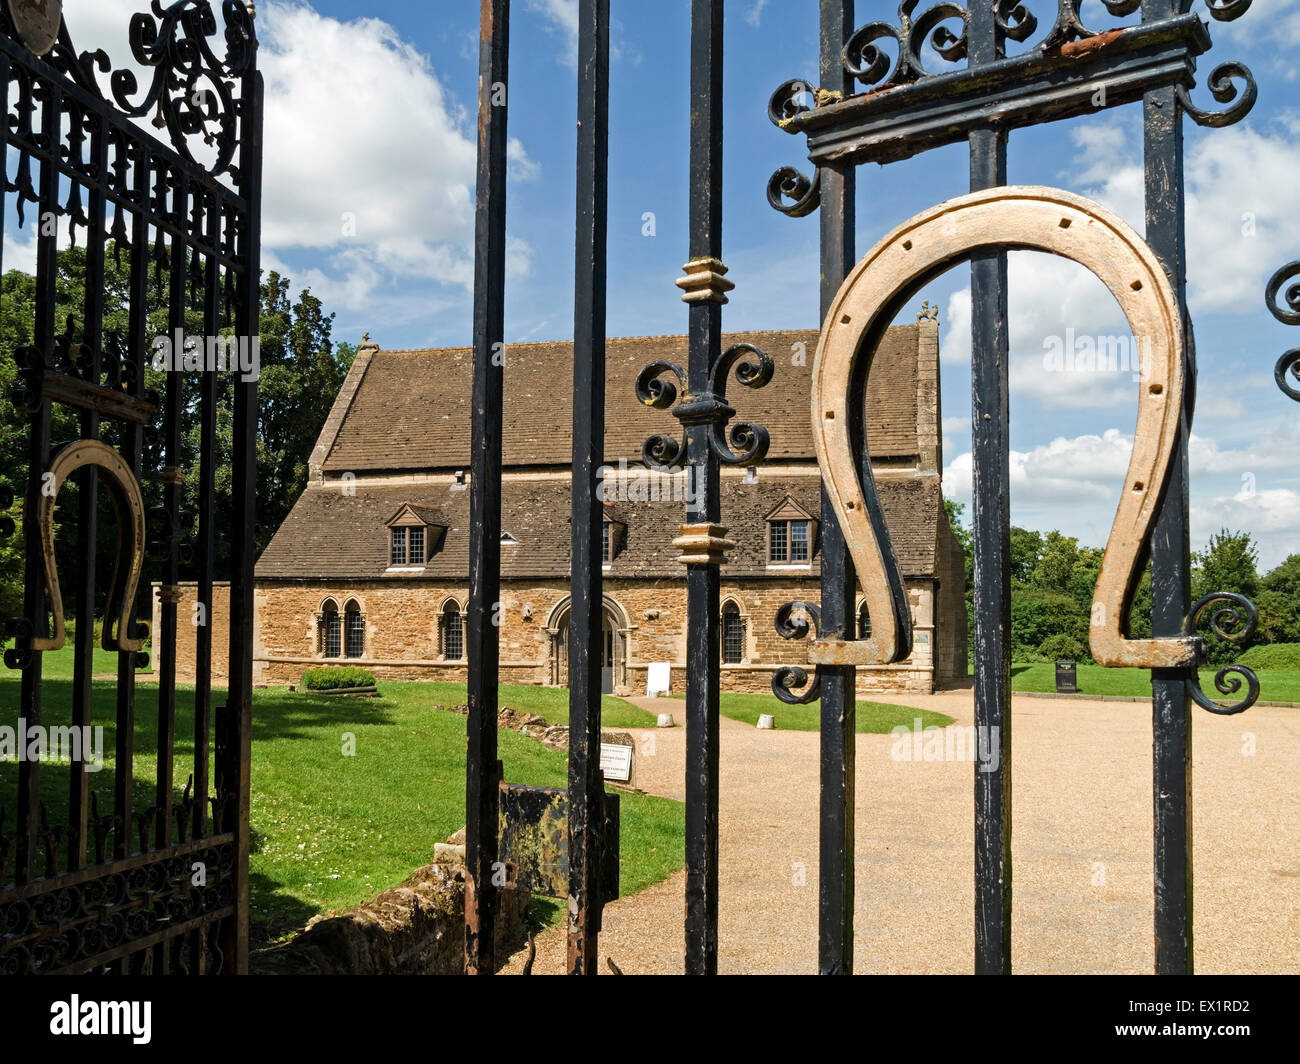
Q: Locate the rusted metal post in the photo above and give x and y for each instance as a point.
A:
(482, 775)
(990, 430)
(586, 786)
(704, 510)
(234, 733)
(839, 578)
(1170, 552)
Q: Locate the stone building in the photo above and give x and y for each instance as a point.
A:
(371, 566)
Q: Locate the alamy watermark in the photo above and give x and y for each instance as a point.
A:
(1090, 353)
(179, 353)
(624, 483)
(953, 743)
(56, 744)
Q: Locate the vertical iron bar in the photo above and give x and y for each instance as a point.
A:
(586, 628)
(38, 458)
(838, 575)
(173, 478)
(87, 505)
(133, 451)
(235, 725)
(208, 459)
(704, 505)
(992, 538)
(1170, 551)
(482, 778)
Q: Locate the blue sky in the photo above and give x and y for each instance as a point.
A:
(370, 171)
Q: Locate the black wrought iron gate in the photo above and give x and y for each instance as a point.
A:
(1004, 68)
(91, 881)
(1061, 70)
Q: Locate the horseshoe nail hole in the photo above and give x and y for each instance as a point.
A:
(1138, 486)
(1157, 389)
(1066, 223)
(846, 319)
(853, 505)
(830, 415)
(1136, 286)
(907, 245)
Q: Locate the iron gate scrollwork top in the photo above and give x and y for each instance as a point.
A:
(907, 107)
(163, 887)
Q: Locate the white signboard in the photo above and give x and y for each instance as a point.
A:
(616, 762)
(658, 678)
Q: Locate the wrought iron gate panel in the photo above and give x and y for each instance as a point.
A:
(905, 109)
(165, 887)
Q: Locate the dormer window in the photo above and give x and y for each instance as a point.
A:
(791, 536)
(613, 537)
(414, 536)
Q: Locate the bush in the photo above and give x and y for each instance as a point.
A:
(1037, 616)
(1061, 646)
(336, 679)
(1272, 656)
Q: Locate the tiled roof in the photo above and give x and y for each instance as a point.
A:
(411, 409)
(331, 536)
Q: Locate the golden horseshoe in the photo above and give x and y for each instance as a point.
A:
(1015, 218)
(129, 505)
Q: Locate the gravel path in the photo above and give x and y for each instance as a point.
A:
(1082, 830)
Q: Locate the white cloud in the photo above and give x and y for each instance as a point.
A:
(1243, 207)
(1073, 484)
(20, 251)
(561, 18)
(1271, 516)
(754, 16)
(522, 168)
(370, 164)
(1243, 220)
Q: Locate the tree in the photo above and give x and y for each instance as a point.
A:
(1056, 563)
(1037, 615)
(955, 512)
(1279, 603)
(1228, 563)
(301, 372)
(1026, 547)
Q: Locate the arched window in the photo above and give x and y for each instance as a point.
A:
(330, 630)
(354, 631)
(864, 622)
(733, 635)
(451, 632)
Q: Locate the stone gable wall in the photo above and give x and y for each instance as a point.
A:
(649, 623)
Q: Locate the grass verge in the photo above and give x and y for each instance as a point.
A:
(872, 717)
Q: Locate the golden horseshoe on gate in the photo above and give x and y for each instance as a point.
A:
(129, 505)
(1008, 218)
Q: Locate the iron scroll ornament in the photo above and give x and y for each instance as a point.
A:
(129, 505)
(891, 274)
(664, 454)
(1286, 284)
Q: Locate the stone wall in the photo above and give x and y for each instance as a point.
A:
(648, 619)
(216, 614)
(951, 650)
(417, 928)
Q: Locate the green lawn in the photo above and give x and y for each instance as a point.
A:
(1275, 685)
(872, 717)
(329, 830)
(550, 703)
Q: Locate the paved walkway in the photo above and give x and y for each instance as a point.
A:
(1083, 850)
